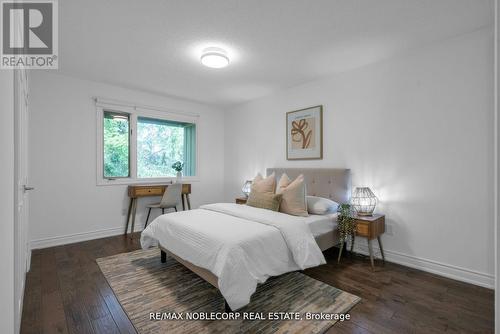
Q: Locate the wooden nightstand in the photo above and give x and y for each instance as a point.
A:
(241, 200)
(370, 227)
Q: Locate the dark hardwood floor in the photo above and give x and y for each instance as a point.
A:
(66, 293)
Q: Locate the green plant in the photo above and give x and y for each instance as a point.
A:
(345, 222)
(177, 166)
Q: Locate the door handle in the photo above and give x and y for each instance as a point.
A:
(26, 188)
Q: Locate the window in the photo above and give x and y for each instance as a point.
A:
(116, 145)
(160, 143)
(137, 145)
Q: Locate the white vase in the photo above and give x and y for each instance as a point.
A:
(179, 177)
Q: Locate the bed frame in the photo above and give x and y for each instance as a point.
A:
(332, 183)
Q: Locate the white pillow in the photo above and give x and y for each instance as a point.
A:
(321, 205)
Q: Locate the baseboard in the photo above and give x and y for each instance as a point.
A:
(20, 302)
(19, 306)
(78, 237)
(434, 267)
(28, 258)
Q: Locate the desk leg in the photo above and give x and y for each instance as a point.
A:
(381, 249)
(134, 210)
(128, 214)
(182, 200)
(188, 202)
(371, 253)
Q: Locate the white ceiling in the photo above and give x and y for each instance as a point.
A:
(155, 45)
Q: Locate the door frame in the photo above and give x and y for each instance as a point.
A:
(22, 253)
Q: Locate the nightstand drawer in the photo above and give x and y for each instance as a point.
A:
(362, 229)
(241, 200)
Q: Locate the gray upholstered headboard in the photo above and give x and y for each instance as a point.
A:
(333, 183)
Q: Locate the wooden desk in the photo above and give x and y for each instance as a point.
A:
(147, 190)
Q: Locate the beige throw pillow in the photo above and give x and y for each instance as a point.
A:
(269, 201)
(261, 185)
(293, 201)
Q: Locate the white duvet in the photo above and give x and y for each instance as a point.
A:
(241, 245)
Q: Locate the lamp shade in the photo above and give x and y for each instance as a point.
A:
(363, 201)
(247, 187)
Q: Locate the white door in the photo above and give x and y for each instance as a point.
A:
(21, 247)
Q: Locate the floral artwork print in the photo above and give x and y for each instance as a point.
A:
(304, 134)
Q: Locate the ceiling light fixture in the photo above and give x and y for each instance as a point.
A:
(214, 57)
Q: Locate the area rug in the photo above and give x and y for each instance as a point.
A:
(159, 297)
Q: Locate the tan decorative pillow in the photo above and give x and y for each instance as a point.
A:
(267, 185)
(266, 200)
(294, 200)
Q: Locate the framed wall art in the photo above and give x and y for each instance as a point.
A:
(304, 134)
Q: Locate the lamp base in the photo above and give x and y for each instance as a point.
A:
(364, 213)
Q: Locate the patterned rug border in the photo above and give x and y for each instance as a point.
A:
(154, 254)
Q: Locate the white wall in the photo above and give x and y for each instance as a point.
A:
(7, 201)
(417, 129)
(67, 205)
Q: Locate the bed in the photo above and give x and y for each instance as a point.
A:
(235, 247)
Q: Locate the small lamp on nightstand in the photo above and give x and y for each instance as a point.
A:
(363, 201)
(247, 187)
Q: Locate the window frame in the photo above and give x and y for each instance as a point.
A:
(134, 112)
(129, 145)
